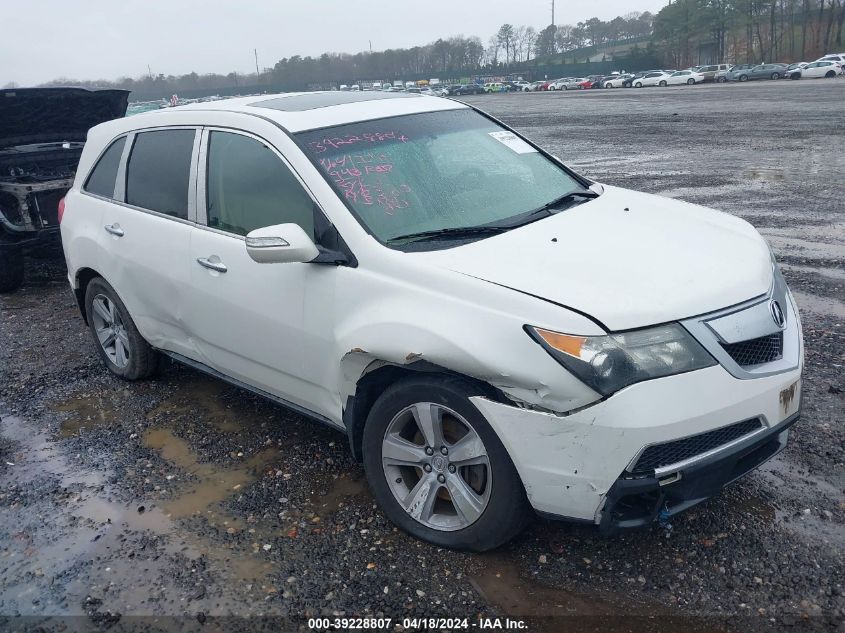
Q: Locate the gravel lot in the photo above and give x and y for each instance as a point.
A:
(185, 496)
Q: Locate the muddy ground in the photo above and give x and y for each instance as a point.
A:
(185, 496)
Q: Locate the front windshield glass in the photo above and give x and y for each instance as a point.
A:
(438, 170)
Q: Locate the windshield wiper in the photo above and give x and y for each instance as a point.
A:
(451, 232)
(457, 232)
(550, 208)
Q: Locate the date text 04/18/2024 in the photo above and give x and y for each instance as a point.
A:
(417, 624)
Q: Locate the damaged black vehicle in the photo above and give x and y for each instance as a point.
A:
(42, 131)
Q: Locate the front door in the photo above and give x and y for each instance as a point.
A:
(268, 325)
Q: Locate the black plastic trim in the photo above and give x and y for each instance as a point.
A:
(260, 392)
(698, 482)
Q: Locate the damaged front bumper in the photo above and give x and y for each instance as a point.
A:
(584, 466)
(635, 502)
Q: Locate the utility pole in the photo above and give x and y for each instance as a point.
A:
(255, 50)
(371, 46)
(149, 71)
(553, 12)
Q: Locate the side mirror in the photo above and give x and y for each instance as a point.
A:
(280, 244)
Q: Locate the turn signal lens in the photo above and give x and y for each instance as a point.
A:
(563, 342)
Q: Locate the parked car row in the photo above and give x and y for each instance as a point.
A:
(826, 67)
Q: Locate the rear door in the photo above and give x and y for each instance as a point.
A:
(146, 231)
(816, 69)
(268, 325)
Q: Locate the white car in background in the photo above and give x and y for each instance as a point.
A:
(300, 246)
(557, 84)
(839, 58)
(656, 78)
(680, 77)
(617, 81)
(816, 70)
(573, 83)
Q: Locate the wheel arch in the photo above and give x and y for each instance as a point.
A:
(82, 278)
(377, 376)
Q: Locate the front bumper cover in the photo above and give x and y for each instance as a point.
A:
(638, 502)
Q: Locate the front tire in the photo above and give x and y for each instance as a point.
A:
(662, 83)
(743, 77)
(437, 468)
(639, 84)
(11, 268)
(122, 348)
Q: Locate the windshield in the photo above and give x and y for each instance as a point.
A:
(432, 171)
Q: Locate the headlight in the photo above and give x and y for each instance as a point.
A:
(609, 363)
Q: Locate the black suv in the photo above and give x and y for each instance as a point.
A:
(42, 131)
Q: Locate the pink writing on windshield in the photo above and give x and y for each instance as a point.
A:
(338, 142)
(361, 178)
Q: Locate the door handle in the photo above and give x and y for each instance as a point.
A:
(114, 229)
(215, 264)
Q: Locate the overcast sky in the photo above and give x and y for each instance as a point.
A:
(106, 39)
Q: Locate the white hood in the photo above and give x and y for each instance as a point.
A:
(627, 259)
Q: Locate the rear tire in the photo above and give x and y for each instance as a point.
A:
(122, 348)
(662, 83)
(830, 74)
(496, 508)
(775, 75)
(690, 82)
(11, 268)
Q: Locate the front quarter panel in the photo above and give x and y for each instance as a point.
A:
(422, 313)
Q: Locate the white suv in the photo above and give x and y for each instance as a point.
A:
(494, 333)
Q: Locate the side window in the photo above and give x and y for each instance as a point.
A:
(158, 171)
(103, 176)
(248, 187)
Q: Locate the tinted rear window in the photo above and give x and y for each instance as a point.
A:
(103, 176)
(159, 170)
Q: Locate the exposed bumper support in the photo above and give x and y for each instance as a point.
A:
(638, 502)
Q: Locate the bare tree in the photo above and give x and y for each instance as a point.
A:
(505, 38)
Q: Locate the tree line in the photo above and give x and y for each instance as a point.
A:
(750, 31)
(511, 48)
(683, 33)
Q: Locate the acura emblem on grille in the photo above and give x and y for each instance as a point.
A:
(777, 314)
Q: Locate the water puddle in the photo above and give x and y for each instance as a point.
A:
(784, 244)
(767, 174)
(339, 493)
(826, 306)
(830, 273)
(501, 584)
(203, 393)
(83, 414)
(212, 484)
(91, 538)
